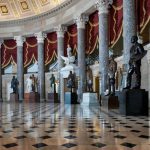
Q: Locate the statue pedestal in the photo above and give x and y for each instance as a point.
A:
(133, 102)
(90, 98)
(53, 98)
(31, 97)
(71, 98)
(13, 97)
(110, 102)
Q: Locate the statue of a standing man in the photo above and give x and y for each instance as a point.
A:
(14, 84)
(52, 81)
(137, 52)
(112, 68)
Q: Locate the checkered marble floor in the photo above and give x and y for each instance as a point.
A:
(45, 126)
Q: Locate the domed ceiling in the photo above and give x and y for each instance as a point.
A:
(19, 9)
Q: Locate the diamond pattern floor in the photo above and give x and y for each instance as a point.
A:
(46, 126)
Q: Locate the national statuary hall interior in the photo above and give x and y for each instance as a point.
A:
(74, 74)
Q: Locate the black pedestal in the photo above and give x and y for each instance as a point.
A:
(71, 98)
(53, 98)
(133, 102)
(111, 102)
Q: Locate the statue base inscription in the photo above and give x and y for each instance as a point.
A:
(53, 98)
(133, 102)
(31, 97)
(71, 98)
(13, 97)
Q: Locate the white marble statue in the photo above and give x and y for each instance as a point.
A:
(69, 63)
(29, 84)
(69, 59)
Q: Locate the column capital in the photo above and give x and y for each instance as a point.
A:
(80, 20)
(103, 5)
(60, 30)
(40, 36)
(19, 40)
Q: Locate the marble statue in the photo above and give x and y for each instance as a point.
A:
(137, 52)
(14, 84)
(29, 84)
(70, 59)
(112, 68)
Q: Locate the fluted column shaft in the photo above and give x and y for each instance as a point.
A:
(103, 6)
(129, 27)
(80, 21)
(41, 68)
(1, 99)
(60, 52)
(20, 67)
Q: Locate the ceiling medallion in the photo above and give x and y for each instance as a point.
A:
(4, 9)
(24, 5)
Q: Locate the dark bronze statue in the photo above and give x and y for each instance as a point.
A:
(112, 68)
(52, 81)
(89, 79)
(14, 84)
(71, 81)
(137, 52)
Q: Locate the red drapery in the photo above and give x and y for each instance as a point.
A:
(143, 13)
(115, 22)
(71, 39)
(9, 48)
(92, 33)
(50, 48)
(9, 53)
(30, 51)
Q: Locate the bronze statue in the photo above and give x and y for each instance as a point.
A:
(112, 68)
(89, 79)
(137, 52)
(71, 81)
(14, 84)
(52, 81)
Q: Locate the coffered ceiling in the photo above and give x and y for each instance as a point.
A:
(19, 9)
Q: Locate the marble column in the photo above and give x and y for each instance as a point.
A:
(80, 21)
(147, 47)
(20, 67)
(103, 6)
(1, 99)
(41, 67)
(60, 52)
(129, 28)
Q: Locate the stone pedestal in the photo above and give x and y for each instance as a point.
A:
(32, 97)
(90, 98)
(13, 97)
(53, 98)
(110, 102)
(71, 98)
(133, 102)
